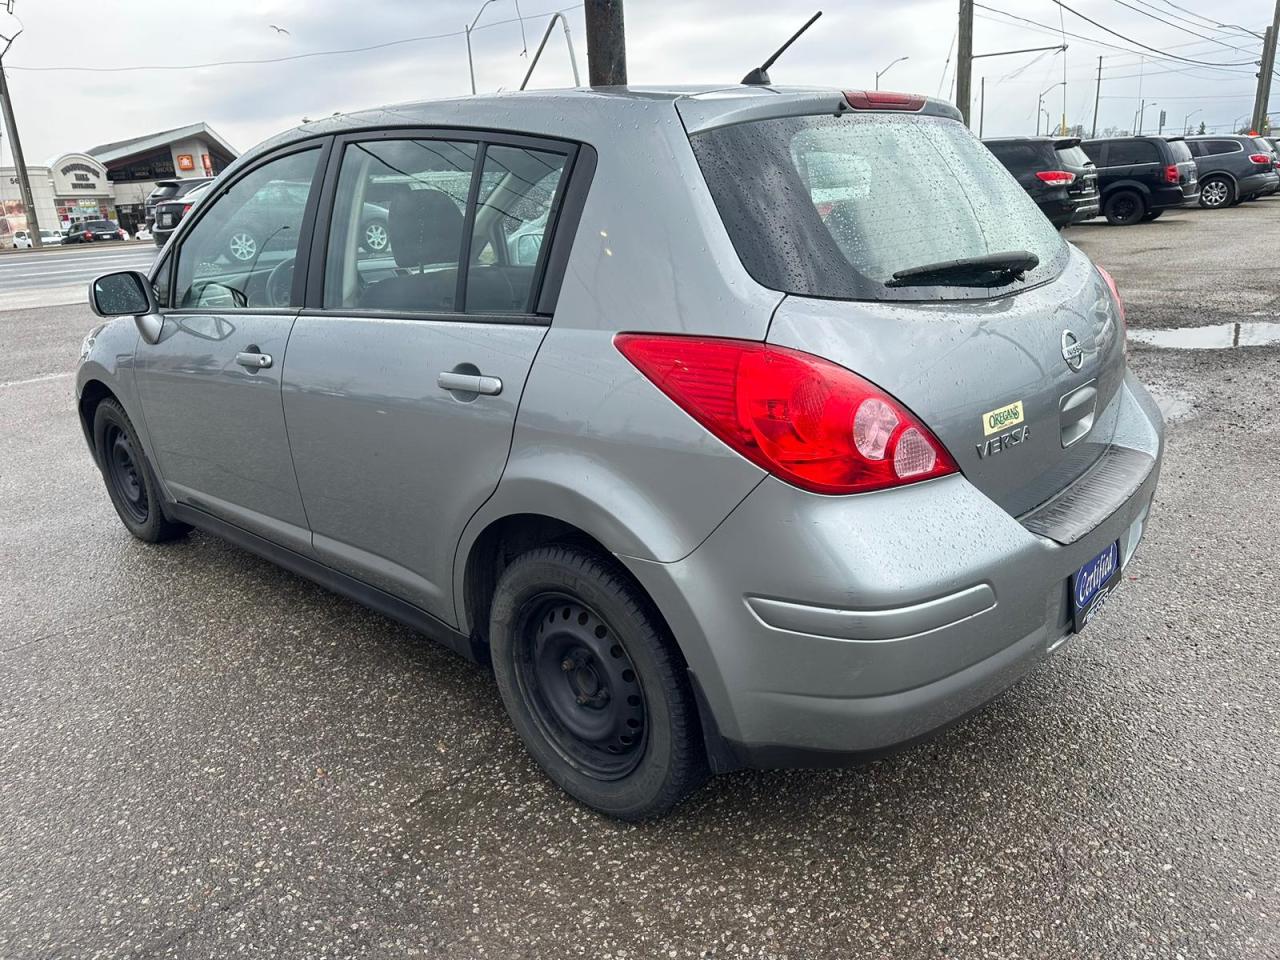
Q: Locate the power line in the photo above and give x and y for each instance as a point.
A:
(296, 56)
(1223, 26)
(1045, 28)
(1170, 23)
(1139, 43)
(1162, 12)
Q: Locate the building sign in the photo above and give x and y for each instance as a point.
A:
(76, 174)
(186, 161)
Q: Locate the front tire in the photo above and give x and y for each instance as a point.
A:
(1151, 215)
(1123, 208)
(593, 684)
(1216, 193)
(131, 484)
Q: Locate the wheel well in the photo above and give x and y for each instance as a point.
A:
(504, 540)
(94, 392)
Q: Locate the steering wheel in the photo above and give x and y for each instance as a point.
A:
(280, 283)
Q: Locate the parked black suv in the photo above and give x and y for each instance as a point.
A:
(1058, 175)
(1233, 168)
(168, 190)
(1142, 177)
(169, 213)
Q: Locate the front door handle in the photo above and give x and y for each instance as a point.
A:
(253, 361)
(469, 383)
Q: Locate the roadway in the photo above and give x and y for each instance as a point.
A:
(34, 278)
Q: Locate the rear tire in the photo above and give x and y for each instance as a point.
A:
(1216, 193)
(131, 484)
(1151, 215)
(1124, 207)
(593, 684)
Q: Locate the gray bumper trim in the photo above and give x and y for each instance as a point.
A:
(873, 625)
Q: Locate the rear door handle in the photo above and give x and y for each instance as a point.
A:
(469, 383)
(254, 361)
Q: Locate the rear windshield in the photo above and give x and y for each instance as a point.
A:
(164, 190)
(1180, 150)
(1074, 156)
(833, 206)
(99, 225)
(1263, 145)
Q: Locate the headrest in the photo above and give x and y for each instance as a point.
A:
(424, 226)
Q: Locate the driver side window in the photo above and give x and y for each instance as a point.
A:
(240, 254)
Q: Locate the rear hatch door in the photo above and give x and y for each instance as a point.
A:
(1074, 160)
(1014, 374)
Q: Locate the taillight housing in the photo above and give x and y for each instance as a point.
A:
(1115, 295)
(185, 208)
(1262, 159)
(88, 235)
(1171, 173)
(806, 420)
(1057, 178)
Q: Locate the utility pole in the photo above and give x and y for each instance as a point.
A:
(606, 43)
(1097, 95)
(1265, 71)
(964, 60)
(24, 183)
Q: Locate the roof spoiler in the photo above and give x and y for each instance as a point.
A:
(1066, 143)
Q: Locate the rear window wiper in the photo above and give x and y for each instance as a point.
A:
(986, 270)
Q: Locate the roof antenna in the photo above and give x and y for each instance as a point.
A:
(760, 75)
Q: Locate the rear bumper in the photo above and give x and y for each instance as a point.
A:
(1257, 183)
(822, 630)
(1068, 209)
(1162, 198)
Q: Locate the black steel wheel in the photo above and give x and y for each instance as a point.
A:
(131, 484)
(124, 473)
(594, 684)
(582, 688)
(1123, 208)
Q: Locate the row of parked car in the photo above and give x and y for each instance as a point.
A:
(1134, 179)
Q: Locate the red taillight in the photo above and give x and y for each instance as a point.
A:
(1115, 294)
(804, 419)
(1057, 178)
(1261, 158)
(185, 208)
(88, 235)
(883, 100)
(1171, 173)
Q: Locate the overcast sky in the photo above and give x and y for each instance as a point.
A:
(681, 42)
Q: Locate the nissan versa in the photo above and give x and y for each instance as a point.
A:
(748, 426)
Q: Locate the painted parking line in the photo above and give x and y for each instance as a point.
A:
(44, 379)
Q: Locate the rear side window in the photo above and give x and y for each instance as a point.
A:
(833, 206)
(1125, 152)
(1017, 156)
(1073, 157)
(1093, 151)
(1219, 147)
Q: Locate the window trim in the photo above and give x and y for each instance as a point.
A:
(562, 225)
(305, 229)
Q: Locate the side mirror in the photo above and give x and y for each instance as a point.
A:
(127, 294)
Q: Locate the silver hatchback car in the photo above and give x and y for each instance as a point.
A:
(747, 426)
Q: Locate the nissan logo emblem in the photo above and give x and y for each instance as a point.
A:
(1072, 352)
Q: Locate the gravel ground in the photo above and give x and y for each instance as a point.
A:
(202, 756)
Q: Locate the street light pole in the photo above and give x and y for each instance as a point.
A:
(1186, 121)
(1040, 107)
(881, 73)
(19, 162)
(471, 67)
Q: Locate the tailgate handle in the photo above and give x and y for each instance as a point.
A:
(1076, 412)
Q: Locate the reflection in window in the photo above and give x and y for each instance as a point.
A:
(240, 253)
(519, 193)
(396, 239)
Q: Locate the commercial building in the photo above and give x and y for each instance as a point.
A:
(110, 181)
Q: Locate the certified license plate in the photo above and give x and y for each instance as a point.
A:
(1092, 584)
(166, 219)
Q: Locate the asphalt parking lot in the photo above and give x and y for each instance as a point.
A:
(203, 756)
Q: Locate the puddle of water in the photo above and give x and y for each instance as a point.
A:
(1218, 337)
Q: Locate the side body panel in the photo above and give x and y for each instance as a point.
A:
(390, 465)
